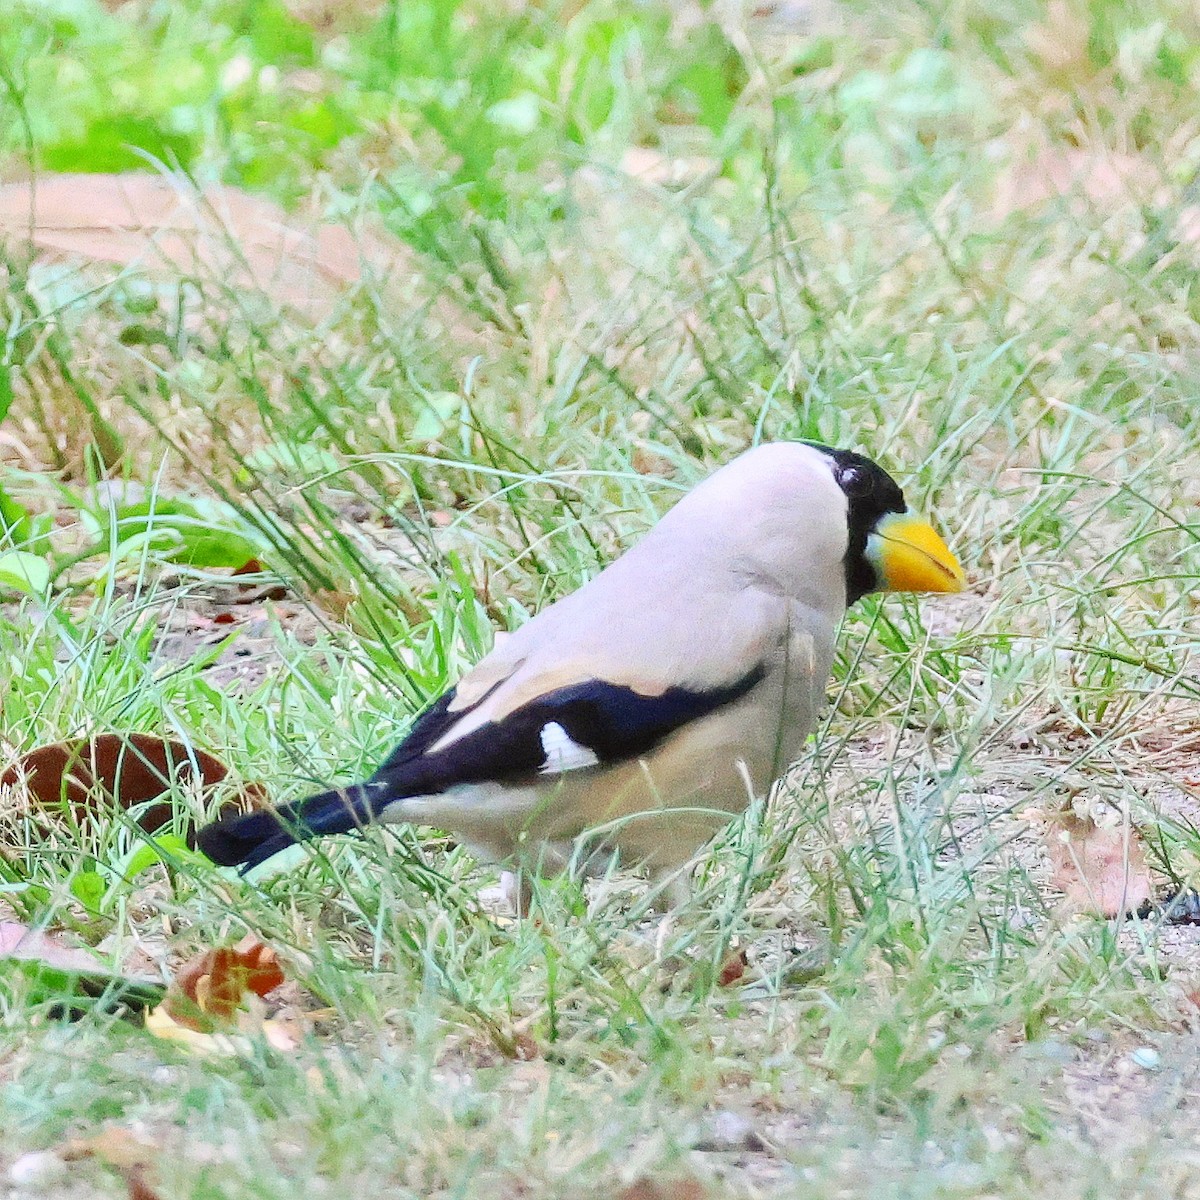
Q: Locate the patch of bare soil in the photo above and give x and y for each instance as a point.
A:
(246, 635)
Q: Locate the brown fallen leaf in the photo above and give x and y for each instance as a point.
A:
(214, 1005)
(209, 989)
(664, 1189)
(1085, 178)
(73, 978)
(114, 1146)
(139, 1189)
(523, 1047)
(166, 225)
(1101, 869)
(254, 591)
(733, 968)
(19, 941)
(122, 1150)
(127, 768)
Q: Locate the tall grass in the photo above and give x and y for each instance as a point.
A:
(635, 242)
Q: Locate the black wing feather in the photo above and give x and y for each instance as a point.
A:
(613, 721)
(426, 729)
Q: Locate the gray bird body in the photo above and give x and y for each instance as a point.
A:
(695, 604)
(656, 702)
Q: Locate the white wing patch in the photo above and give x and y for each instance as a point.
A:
(562, 753)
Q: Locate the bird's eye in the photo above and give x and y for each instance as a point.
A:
(855, 482)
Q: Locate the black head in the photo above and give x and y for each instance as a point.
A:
(871, 493)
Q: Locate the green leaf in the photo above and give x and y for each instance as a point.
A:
(24, 572)
(6, 390)
(437, 411)
(292, 458)
(21, 529)
(88, 887)
(707, 89)
(118, 143)
(40, 526)
(74, 992)
(166, 846)
(15, 525)
(194, 533)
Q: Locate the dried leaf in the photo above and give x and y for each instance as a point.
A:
(279, 1034)
(122, 1150)
(664, 1189)
(166, 225)
(733, 968)
(114, 1146)
(210, 988)
(162, 1025)
(72, 976)
(1101, 869)
(19, 941)
(139, 1189)
(523, 1047)
(128, 768)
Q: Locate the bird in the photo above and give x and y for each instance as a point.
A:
(633, 718)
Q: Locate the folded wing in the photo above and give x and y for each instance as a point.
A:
(586, 725)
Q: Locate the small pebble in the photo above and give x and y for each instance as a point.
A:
(1146, 1057)
(36, 1168)
(730, 1131)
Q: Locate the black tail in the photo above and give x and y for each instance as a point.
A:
(251, 839)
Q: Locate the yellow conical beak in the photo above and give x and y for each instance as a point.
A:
(911, 557)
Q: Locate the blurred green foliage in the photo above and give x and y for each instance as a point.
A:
(244, 91)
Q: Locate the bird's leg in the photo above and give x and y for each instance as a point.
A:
(669, 892)
(517, 891)
(666, 927)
